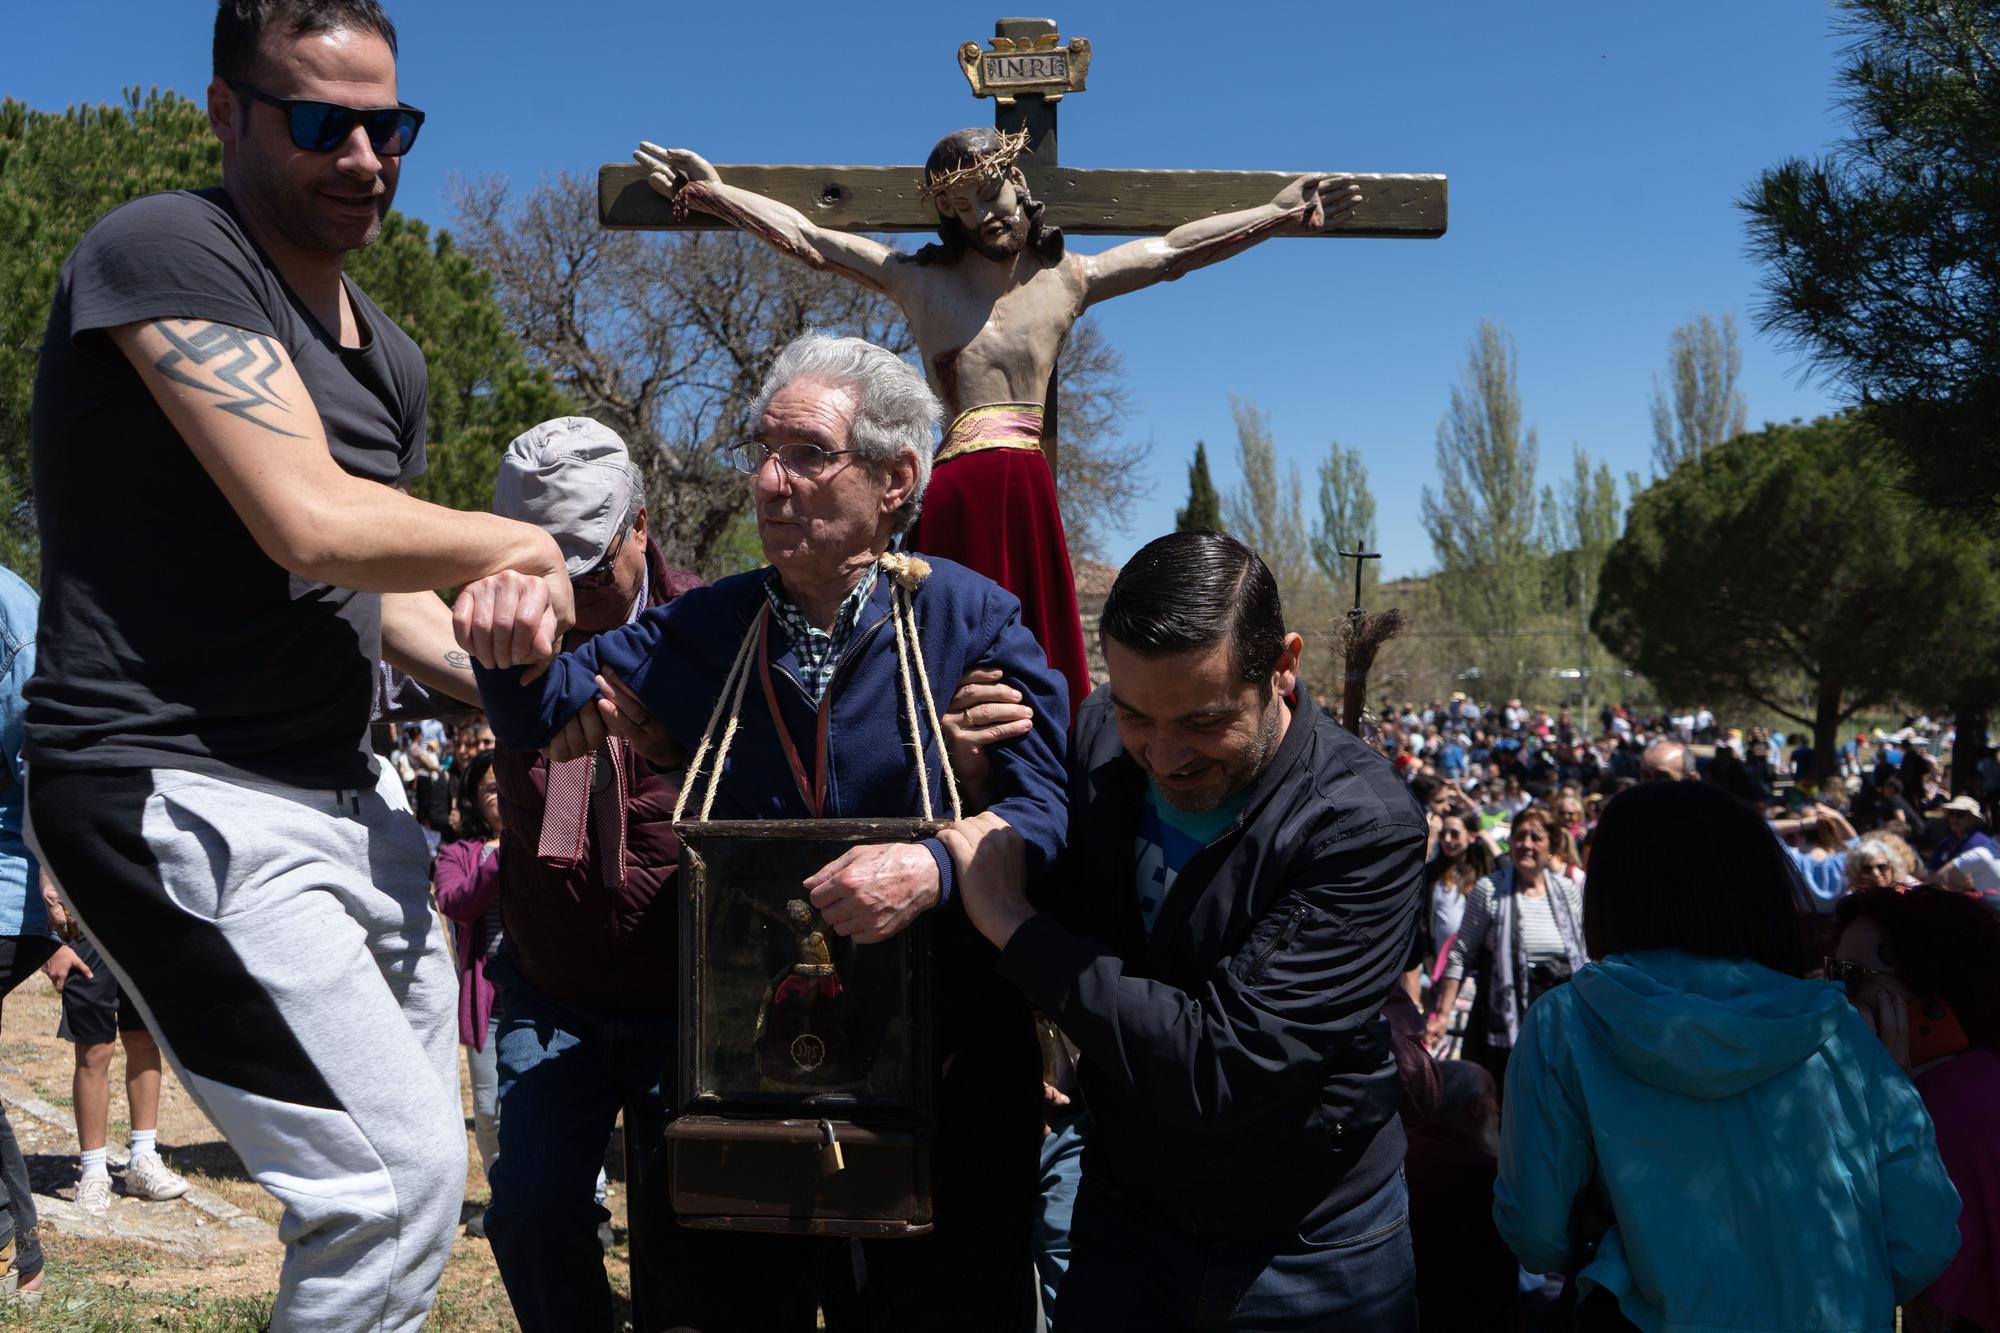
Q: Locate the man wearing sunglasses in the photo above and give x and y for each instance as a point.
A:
(223, 429)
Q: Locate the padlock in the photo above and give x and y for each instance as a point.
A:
(830, 1160)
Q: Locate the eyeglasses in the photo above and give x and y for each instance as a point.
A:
(1851, 974)
(804, 461)
(321, 127)
(604, 571)
(1877, 868)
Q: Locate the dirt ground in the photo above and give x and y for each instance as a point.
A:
(207, 1263)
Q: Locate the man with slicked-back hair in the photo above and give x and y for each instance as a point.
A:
(1238, 896)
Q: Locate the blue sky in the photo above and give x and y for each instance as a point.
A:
(1594, 151)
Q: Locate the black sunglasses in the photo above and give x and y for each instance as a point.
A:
(321, 127)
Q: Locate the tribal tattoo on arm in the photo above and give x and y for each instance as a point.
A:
(231, 363)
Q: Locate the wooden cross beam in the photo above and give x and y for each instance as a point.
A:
(1082, 201)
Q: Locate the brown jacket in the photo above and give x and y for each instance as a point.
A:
(574, 940)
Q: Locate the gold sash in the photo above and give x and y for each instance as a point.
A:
(993, 426)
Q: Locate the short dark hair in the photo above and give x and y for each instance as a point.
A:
(471, 820)
(1685, 865)
(1192, 590)
(240, 24)
(1939, 943)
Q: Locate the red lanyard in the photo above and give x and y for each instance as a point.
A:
(811, 790)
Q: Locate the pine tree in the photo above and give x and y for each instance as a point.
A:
(1204, 506)
(1879, 256)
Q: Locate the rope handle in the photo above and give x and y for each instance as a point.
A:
(905, 573)
(733, 685)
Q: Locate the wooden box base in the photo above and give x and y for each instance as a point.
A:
(733, 1174)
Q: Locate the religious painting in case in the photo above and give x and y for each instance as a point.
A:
(804, 1087)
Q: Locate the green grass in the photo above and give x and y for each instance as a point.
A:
(90, 1304)
(86, 1303)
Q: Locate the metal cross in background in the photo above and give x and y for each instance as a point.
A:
(1357, 557)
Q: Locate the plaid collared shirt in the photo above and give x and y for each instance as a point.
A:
(818, 651)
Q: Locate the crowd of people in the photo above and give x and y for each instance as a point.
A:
(1237, 1020)
(1677, 853)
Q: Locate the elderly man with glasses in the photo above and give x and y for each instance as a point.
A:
(839, 460)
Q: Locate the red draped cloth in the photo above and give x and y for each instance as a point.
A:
(992, 507)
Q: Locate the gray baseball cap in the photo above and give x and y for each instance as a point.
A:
(573, 478)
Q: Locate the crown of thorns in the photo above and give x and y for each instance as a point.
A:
(996, 159)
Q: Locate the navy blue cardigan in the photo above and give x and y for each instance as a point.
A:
(674, 658)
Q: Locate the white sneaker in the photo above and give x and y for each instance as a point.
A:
(147, 1177)
(93, 1195)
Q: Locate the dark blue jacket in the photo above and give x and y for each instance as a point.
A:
(674, 657)
(1236, 1062)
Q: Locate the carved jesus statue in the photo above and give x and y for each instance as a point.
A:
(990, 305)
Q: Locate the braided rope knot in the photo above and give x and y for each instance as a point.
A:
(906, 571)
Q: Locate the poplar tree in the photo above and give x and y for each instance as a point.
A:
(1346, 521)
(1483, 520)
(1699, 406)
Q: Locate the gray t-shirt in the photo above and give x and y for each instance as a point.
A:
(167, 638)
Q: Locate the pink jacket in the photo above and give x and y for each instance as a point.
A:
(467, 883)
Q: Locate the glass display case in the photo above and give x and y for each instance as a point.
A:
(803, 1097)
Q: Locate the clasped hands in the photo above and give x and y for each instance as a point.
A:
(872, 892)
(515, 619)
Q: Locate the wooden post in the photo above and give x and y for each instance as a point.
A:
(1037, 115)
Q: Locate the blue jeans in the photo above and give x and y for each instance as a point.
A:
(1062, 1171)
(564, 1074)
(1131, 1270)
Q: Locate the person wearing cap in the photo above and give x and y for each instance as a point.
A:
(1966, 837)
(837, 465)
(584, 957)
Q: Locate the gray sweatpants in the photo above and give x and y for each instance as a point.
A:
(281, 945)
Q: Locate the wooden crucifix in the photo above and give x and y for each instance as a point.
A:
(1361, 638)
(992, 302)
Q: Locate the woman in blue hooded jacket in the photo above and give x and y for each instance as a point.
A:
(1760, 1160)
